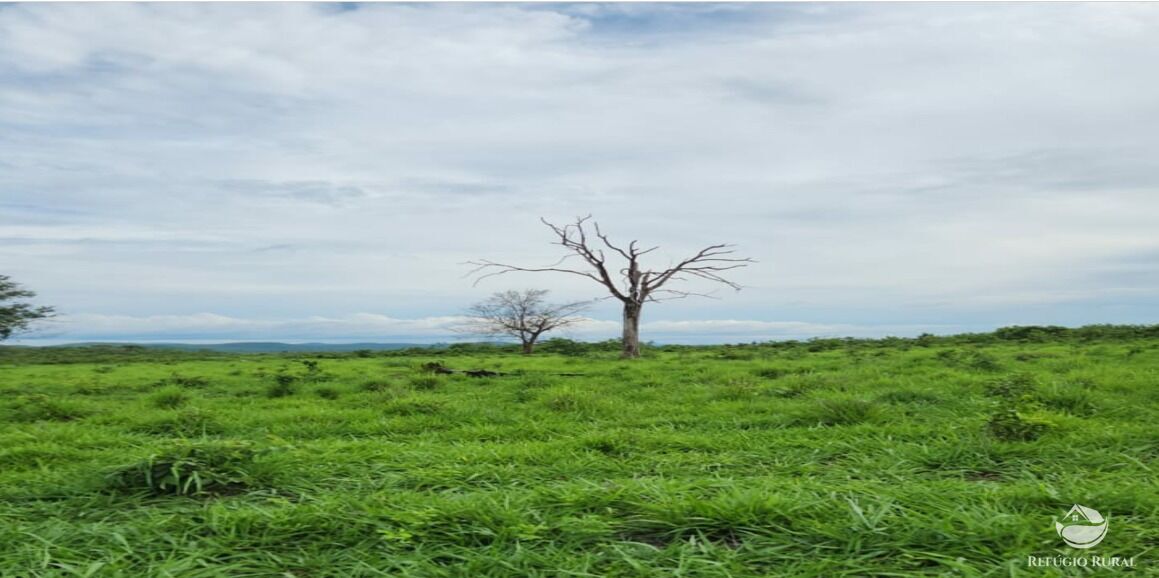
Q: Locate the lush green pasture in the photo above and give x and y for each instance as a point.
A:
(844, 460)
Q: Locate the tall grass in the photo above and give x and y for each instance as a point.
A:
(831, 458)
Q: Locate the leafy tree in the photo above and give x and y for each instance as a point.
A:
(15, 314)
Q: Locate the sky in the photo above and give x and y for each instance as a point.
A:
(322, 171)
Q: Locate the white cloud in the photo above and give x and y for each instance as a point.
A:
(886, 164)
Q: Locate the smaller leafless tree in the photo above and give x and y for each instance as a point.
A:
(524, 315)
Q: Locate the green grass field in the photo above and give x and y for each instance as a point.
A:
(887, 458)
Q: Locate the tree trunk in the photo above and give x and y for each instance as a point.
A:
(528, 346)
(631, 338)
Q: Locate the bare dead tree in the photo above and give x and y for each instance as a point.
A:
(524, 315)
(632, 284)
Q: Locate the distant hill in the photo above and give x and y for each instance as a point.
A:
(267, 346)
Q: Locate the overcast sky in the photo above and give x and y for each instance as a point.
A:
(298, 171)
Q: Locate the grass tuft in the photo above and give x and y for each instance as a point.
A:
(38, 407)
(838, 412)
(169, 397)
(327, 392)
(190, 469)
(1009, 425)
(426, 382)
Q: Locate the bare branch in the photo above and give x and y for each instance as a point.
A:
(604, 238)
(706, 264)
(673, 294)
(633, 285)
(572, 237)
(501, 268)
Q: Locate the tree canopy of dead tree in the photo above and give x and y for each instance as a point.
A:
(626, 280)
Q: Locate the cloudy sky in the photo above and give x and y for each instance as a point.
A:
(298, 171)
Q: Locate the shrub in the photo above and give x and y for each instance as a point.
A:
(1031, 333)
(190, 469)
(1009, 425)
(284, 386)
(170, 397)
(1013, 386)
